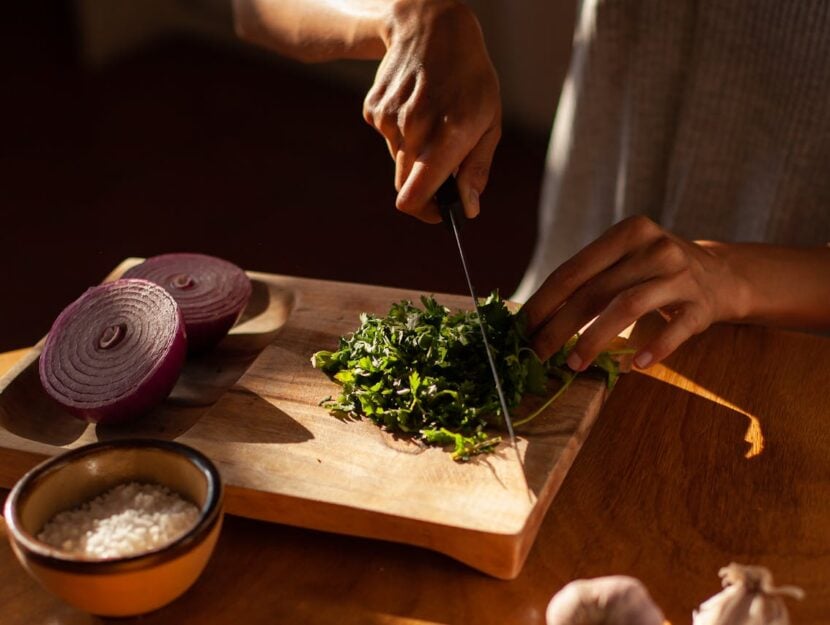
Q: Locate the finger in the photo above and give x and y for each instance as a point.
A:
(431, 168)
(371, 103)
(551, 336)
(474, 172)
(688, 320)
(388, 129)
(622, 311)
(414, 126)
(416, 195)
(663, 257)
(403, 166)
(617, 242)
(394, 144)
(383, 108)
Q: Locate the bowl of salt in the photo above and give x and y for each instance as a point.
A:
(117, 528)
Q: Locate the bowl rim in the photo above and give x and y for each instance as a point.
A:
(52, 557)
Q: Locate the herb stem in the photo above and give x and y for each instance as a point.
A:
(570, 378)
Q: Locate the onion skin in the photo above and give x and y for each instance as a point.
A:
(613, 600)
(749, 597)
(115, 352)
(211, 292)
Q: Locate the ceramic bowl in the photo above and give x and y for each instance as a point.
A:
(122, 586)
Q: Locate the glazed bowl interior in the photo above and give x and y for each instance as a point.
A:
(75, 478)
(126, 585)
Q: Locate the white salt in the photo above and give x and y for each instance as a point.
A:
(129, 519)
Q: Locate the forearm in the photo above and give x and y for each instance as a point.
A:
(316, 30)
(435, 98)
(781, 286)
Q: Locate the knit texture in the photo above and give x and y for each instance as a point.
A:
(712, 117)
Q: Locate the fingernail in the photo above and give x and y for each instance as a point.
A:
(574, 361)
(643, 360)
(473, 208)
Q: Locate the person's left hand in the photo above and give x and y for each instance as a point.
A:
(634, 268)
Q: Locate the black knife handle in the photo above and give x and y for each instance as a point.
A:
(449, 201)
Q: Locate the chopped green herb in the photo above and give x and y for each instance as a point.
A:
(424, 372)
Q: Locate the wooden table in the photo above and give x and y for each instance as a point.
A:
(721, 455)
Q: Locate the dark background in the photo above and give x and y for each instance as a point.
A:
(188, 145)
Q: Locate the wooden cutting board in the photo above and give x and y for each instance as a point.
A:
(252, 407)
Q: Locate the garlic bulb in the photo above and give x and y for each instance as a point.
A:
(748, 598)
(614, 600)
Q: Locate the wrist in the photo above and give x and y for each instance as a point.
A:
(405, 18)
(774, 285)
(735, 295)
(314, 30)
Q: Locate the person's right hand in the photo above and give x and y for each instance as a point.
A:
(436, 101)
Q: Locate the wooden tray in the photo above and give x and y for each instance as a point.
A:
(252, 406)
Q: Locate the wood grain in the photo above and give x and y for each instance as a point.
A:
(662, 490)
(255, 412)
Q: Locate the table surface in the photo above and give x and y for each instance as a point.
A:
(719, 455)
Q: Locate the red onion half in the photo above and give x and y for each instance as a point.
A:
(211, 292)
(115, 352)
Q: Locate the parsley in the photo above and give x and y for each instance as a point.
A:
(424, 372)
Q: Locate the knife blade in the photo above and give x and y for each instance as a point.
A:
(452, 212)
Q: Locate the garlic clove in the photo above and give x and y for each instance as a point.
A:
(613, 600)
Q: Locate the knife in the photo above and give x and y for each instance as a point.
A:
(452, 212)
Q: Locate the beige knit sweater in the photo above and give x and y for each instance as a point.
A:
(712, 117)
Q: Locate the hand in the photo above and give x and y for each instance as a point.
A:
(436, 101)
(632, 269)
